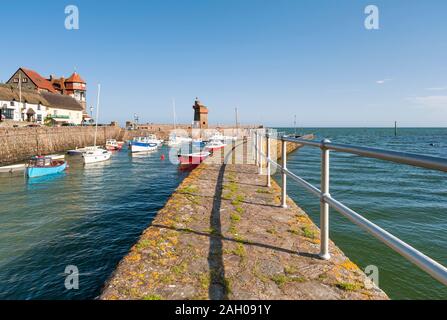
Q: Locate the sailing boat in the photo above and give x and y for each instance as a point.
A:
(96, 154)
(174, 140)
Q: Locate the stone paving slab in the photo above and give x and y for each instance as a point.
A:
(223, 235)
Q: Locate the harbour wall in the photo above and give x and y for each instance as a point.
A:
(19, 144)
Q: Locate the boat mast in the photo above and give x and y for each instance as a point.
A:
(173, 109)
(97, 112)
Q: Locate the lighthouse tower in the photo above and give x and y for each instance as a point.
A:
(200, 115)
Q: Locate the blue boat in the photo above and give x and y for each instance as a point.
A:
(198, 144)
(143, 144)
(42, 166)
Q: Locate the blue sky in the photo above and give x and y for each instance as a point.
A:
(271, 59)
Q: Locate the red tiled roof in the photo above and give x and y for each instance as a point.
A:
(38, 80)
(75, 78)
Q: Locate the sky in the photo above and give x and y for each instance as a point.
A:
(271, 59)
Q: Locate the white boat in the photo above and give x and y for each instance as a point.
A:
(152, 138)
(13, 168)
(80, 151)
(143, 144)
(113, 145)
(175, 141)
(96, 154)
(215, 145)
(56, 156)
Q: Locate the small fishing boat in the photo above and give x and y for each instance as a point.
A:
(96, 155)
(80, 151)
(175, 141)
(152, 138)
(215, 145)
(57, 156)
(198, 143)
(42, 166)
(142, 144)
(193, 158)
(113, 145)
(13, 168)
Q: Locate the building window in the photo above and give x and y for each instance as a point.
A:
(24, 80)
(16, 80)
(39, 118)
(12, 104)
(9, 113)
(55, 112)
(38, 107)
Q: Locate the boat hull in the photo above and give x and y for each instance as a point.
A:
(34, 172)
(213, 149)
(142, 147)
(189, 159)
(96, 157)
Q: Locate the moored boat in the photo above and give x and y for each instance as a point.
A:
(57, 156)
(176, 141)
(42, 166)
(152, 138)
(13, 168)
(198, 143)
(96, 155)
(113, 145)
(142, 144)
(215, 145)
(193, 158)
(80, 151)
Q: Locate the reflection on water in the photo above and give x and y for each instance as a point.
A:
(43, 180)
(88, 216)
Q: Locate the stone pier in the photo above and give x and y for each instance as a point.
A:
(224, 235)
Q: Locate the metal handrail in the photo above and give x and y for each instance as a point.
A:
(435, 269)
(416, 160)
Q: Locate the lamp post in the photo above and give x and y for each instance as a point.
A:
(135, 118)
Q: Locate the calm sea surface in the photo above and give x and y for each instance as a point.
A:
(88, 217)
(409, 202)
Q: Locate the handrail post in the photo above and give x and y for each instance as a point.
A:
(324, 206)
(260, 154)
(269, 183)
(284, 176)
(255, 146)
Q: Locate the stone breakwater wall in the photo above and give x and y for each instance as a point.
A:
(19, 144)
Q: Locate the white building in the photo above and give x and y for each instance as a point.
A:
(34, 107)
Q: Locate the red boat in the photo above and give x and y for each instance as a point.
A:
(193, 158)
(113, 145)
(215, 145)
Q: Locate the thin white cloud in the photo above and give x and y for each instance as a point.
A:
(437, 88)
(430, 101)
(383, 81)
